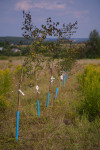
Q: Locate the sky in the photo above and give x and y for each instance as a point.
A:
(86, 12)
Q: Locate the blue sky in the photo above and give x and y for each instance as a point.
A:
(86, 12)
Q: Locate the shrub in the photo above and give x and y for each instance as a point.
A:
(5, 84)
(18, 71)
(90, 86)
(3, 103)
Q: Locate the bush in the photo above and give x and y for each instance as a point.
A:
(90, 86)
(3, 103)
(5, 84)
(18, 71)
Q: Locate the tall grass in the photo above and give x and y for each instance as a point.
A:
(90, 85)
(58, 127)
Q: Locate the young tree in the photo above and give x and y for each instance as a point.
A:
(63, 35)
(54, 49)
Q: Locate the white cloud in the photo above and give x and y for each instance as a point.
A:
(23, 5)
(49, 6)
(80, 14)
(43, 4)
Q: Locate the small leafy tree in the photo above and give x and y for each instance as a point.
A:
(63, 35)
(54, 49)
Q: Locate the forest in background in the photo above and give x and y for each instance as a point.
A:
(23, 41)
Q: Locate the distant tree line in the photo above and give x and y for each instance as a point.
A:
(90, 50)
(16, 40)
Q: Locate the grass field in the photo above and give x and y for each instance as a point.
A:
(59, 126)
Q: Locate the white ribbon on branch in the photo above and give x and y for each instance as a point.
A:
(52, 78)
(21, 92)
(37, 88)
(61, 77)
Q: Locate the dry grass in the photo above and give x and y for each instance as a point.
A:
(58, 127)
(88, 61)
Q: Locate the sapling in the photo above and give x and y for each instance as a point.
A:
(54, 49)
